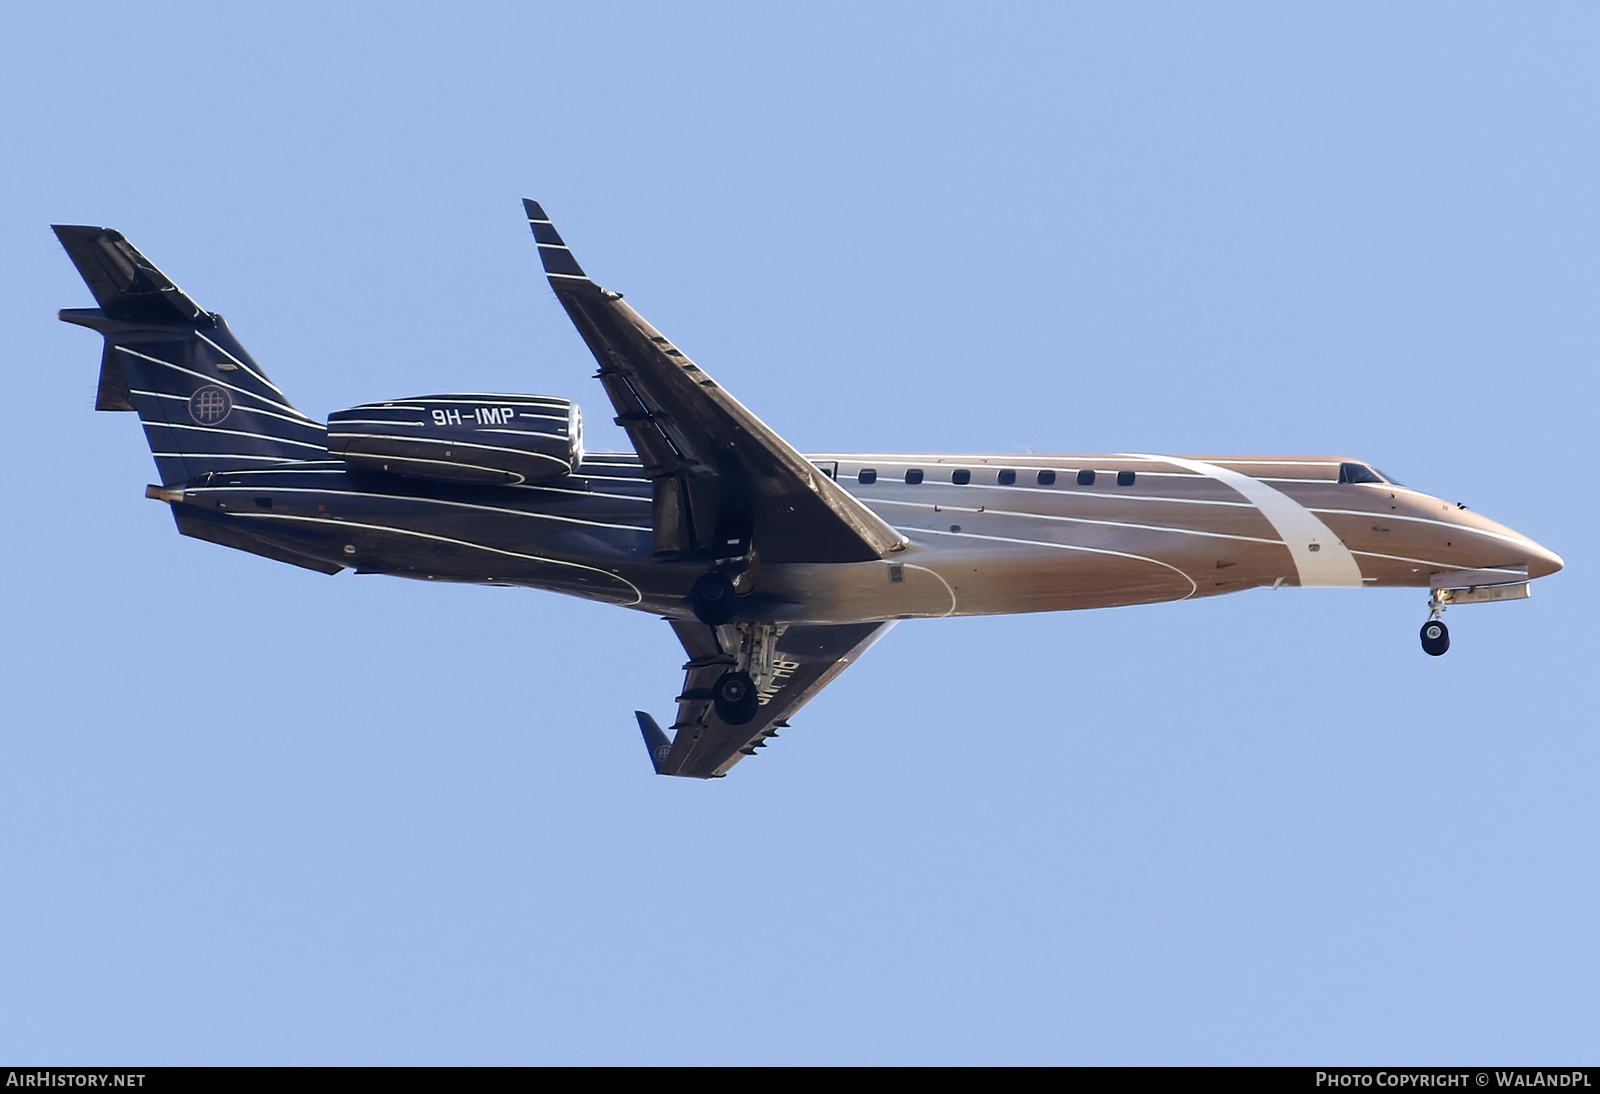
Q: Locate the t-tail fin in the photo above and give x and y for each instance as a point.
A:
(205, 405)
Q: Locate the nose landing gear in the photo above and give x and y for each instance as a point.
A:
(1468, 587)
(1435, 635)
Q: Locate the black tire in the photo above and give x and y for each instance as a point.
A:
(734, 694)
(712, 599)
(1435, 638)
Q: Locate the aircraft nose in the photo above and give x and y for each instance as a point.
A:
(1542, 562)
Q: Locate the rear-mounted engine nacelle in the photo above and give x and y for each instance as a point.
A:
(483, 439)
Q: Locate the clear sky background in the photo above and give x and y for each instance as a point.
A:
(252, 814)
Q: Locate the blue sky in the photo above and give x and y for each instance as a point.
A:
(258, 815)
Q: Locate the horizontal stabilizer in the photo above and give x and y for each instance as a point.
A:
(125, 284)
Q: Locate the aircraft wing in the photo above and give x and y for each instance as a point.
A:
(722, 478)
(804, 659)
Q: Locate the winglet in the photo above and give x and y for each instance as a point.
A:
(559, 265)
(654, 740)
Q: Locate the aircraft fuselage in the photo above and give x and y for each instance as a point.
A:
(986, 534)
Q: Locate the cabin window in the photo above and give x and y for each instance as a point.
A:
(914, 475)
(1085, 477)
(866, 476)
(1047, 478)
(1007, 478)
(961, 478)
(1358, 473)
(1124, 478)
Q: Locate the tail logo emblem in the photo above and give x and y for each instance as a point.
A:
(209, 405)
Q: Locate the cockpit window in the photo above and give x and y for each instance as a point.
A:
(1358, 473)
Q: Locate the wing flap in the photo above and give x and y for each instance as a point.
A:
(806, 657)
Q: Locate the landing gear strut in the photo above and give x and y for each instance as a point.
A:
(734, 695)
(1435, 635)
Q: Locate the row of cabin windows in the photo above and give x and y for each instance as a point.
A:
(961, 477)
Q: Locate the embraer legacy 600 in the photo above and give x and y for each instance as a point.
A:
(775, 570)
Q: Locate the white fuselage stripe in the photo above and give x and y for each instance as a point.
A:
(376, 421)
(1320, 557)
(581, 493)
(912, 533)
(220, 456)
(1087, 494)
(1075, 520)
(303, 423)
(1464, 529)
(412, 499)
(237, 433)
(638, 596)
(339, 434)
(520, 401)
(209, 380)
(259, 378)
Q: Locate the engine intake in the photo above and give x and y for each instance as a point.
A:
(483, 439)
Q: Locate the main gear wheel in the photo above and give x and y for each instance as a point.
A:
(734, 695)
(712, 598)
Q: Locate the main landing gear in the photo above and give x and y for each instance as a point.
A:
(711, 598)
(734, 694)
(1435, 635)
(750, 653)
(749, 648)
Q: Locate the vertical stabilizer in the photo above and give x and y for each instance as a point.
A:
(205, 404)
